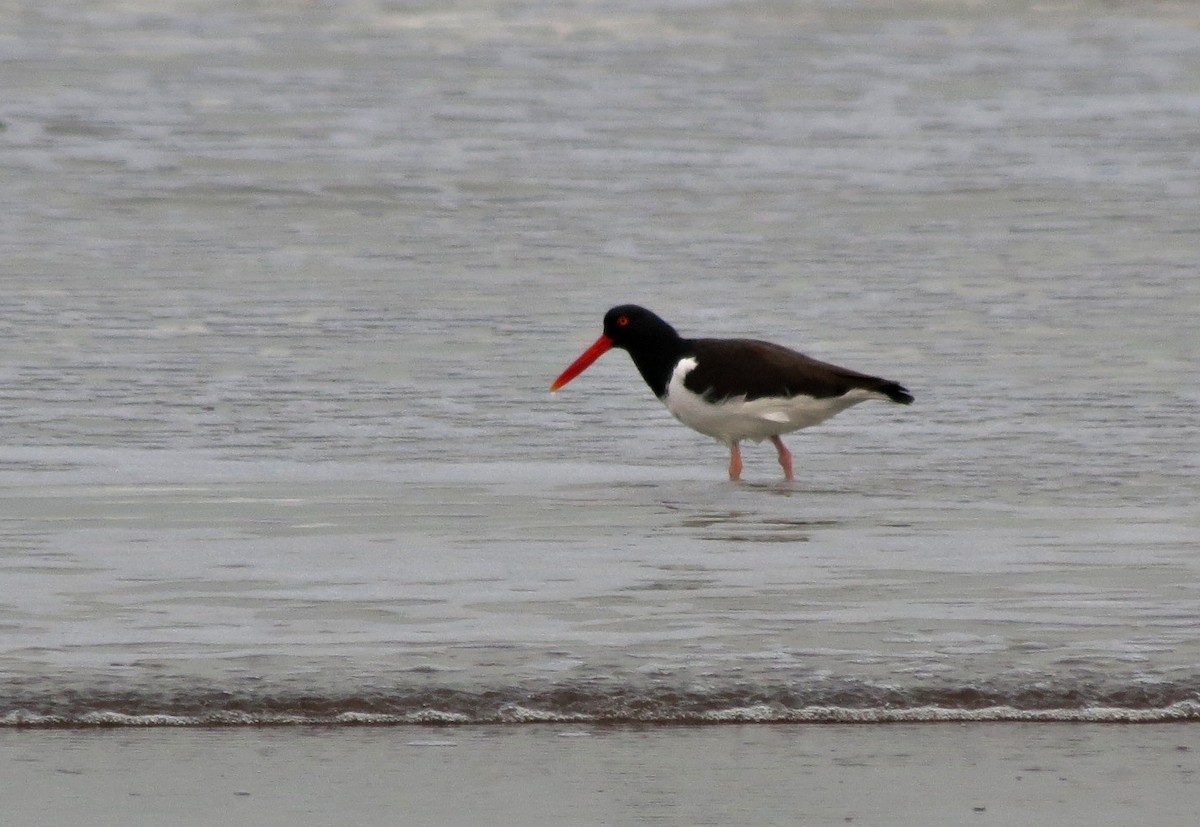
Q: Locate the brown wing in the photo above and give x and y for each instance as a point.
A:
(756, 369)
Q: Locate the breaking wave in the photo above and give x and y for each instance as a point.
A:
(619, 705)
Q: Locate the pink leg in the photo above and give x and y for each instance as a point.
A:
(785, 458)
(735, 462)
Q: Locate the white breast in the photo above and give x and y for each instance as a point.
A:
(735, 419)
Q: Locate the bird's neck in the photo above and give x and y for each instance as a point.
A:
(656, 363)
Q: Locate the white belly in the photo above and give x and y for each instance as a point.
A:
(735, 418)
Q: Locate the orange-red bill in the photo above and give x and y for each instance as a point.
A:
(598, 348)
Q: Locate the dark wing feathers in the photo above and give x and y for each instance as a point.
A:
(733, 367)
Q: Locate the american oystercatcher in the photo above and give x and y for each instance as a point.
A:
(733, 389)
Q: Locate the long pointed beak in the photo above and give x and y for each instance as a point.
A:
(598, 348)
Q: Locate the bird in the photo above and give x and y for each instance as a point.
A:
(733, 389)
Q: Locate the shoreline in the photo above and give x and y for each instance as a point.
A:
(552, 774)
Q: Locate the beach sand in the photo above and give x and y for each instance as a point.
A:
(928, 774)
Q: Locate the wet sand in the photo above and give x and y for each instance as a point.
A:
(931, 774)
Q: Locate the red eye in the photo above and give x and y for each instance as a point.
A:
(622, 321)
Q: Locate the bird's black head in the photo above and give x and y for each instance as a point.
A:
(635, 328)
(653, 344)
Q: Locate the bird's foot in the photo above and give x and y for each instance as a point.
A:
(735, 463)
(785, 459)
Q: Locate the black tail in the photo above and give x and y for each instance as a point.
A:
(896, 392)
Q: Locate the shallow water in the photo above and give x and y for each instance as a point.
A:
(285, 288)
